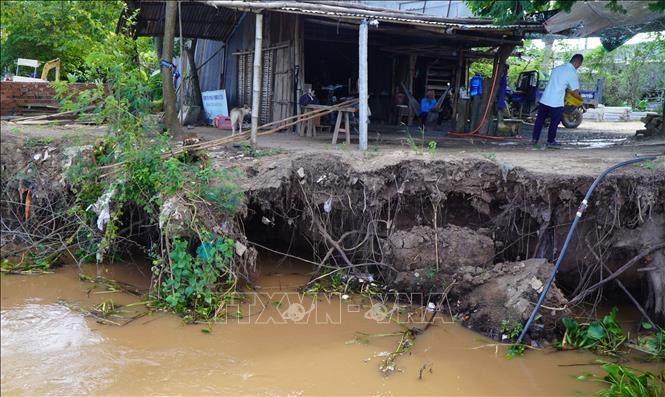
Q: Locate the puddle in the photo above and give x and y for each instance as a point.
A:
(596, 143)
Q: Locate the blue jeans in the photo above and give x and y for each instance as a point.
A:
(555, 117)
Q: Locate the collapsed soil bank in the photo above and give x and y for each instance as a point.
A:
(483, 232)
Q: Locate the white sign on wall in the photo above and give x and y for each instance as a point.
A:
(214, 104)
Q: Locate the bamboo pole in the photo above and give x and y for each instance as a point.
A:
(256, 80)
(240, 137)
(362, 85)
(245, 135)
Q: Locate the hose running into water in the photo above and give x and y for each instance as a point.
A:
(571, 231)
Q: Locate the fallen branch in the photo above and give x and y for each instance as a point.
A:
(632, 299)
(617, 273)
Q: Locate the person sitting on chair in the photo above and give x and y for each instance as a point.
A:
(428, 104)
(309, 98)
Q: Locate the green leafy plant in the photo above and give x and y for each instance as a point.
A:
(511, 329)
(199, 281)
(515, 351)
(415, 147)
(431, 148)
(248, 150)
(38, 141)
(33, 262)
(652, 344)
(651, 165)
(45, 30)
(623, 381)
(412, 143)
(331, 282)
(131, 164)
(604, 336)
(504, 12)
(491, 156)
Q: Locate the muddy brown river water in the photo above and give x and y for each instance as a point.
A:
(50, 349)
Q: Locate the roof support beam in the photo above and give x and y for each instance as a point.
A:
(363, 119)
(256, 78)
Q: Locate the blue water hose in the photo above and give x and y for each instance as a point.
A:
(571, 231)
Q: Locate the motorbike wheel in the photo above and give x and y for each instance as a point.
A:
(572, 119)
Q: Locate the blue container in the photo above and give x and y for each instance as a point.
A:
(476, 86)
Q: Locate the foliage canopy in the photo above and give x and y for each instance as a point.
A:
(45, 30)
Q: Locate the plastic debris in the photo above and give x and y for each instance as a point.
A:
(240, 248)
(102, 207)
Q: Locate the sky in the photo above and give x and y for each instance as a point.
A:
(593, 42)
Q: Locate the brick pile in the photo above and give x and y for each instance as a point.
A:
(22, 98)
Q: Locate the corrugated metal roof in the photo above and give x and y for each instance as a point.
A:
(216, 19)
(199, 20)
(350, 10)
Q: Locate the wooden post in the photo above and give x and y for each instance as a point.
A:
(256, 78)
(490, 101)
(362, 85)
(194, 79)
(298, 70)
(181, 96)
(168, 91)
(412, 71)
(458, 81)
(547, 54)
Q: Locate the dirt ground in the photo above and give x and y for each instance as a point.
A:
(586, 150)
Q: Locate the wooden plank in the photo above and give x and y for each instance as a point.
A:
(338, 123)
(347, 128)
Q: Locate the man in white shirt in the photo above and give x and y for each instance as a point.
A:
(551, 102)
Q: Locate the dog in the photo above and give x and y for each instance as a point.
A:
(237, 116)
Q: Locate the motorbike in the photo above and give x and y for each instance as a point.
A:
(523, 101)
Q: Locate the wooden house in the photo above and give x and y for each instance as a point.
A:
(319, 44)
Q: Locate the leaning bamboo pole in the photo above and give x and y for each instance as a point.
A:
(240, 137)
(347, 103)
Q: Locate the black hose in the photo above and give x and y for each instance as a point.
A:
(578, 216)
